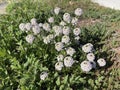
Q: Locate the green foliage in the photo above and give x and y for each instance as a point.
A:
(21, 63)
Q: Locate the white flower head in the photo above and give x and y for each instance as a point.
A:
(90, 56)
(50, 37)
(43, 75)
(59, 66)
(77, 38)
(78, 12)
(67, 17)
(57, 10)
(59, 46)
(74, 21)
(70, 51)
(46, 40)
(36, 29)
(51, 19)
(62, 23)
(46, 27)
(68, 61)
(87, 48)
(86, 66)
(28, 26)
(33, 21)
(22, 27)
(58, 30)
(65, 39)
(76, 31)
(40, 25)
(30, 38)
(101, 62)
(60, 57)
(66, 30)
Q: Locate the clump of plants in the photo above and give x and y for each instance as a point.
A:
(57, 46)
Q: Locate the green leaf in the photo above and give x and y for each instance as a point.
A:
(90, 81)
(82, 80)
(71, 78)
(56, 74)
(97, 82)
(58, 81)
(46, 56)
(61, 87)
(2, 52)
(65, 79)
(44, 68)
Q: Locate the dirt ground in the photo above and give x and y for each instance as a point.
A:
(2, 7)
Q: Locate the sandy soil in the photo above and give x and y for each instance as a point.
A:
(2, 8)
(114, 4)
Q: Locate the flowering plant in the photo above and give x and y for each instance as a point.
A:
(59, 41)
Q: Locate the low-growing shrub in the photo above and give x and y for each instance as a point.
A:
(47, 50)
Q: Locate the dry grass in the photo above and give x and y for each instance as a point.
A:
(88, 22)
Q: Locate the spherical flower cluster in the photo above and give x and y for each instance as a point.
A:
(22, 27)
(65, 39)
(57, 10)
(62, 23)
(70, 51)
(59, 46)
(66, 30)
(46, 27)
(78, 12)
(66, 17)
(87, 48)
(86, 66)
(28, 26)
(59, 66)
(30, 38)
(76, 31)
(33, 21)
(36, 29)
(77, 38)
(40, 25)
(90, 56)
(60, 57)
(43, 75)
(48, 38)
(58, 30)
(51, 20)
(68, 61)
(101, 62)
